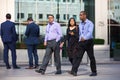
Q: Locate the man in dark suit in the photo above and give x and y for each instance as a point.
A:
(32, 40)
(9, 38)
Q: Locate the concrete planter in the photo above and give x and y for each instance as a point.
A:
(101, 54)
(22, 55)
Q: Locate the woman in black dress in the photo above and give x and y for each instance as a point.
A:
(72, 37)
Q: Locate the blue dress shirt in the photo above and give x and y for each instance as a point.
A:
(86, 30)
(53, 31)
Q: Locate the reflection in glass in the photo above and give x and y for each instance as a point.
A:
(39, 10)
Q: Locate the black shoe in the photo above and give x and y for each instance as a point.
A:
(72, 73)
(93, 74)
(58, 72)
(43, 72)
(16, 67)
(36, 67)
(69, 72)
(8, 67)
(30, 68)
(40, 71)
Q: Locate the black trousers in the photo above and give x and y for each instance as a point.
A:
(88, 47)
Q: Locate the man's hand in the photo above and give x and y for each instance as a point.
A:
(45, 43)
(82, 39)
(61, 45)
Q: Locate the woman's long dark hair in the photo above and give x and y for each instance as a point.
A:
(70, 20)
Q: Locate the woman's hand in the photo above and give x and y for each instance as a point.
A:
(71, 33)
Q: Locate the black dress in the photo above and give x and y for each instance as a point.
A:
(72, 47)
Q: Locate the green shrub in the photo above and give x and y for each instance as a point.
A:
(41, 46)
(20, 45)
(99, 41)
(23, 46)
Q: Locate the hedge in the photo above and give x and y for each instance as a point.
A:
(99, 41)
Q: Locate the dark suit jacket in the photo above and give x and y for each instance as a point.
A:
(32, 34)
(8, 32)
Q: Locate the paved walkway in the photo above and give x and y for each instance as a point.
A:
(105, 72)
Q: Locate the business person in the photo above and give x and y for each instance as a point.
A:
(32, 40)
(85, 44)
(52, 43)
(72, 36)
(9, 38)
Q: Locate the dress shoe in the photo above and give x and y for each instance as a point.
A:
(16, 67)
(93, 74)
(69, 72)
(40, 71)
(8, 67)
(72, 73)
(58, 72)
(43, 72)
(30, 68)
(36, 67)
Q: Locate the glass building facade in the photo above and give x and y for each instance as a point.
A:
(62, 10)
(39, 10)
(114, 25)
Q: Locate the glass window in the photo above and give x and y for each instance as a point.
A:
(64, 0)
(57, 0)
(20, 15)
(57, 16)
(73, 1)
(68, 16)
(40, 16)
(64, 16)
(30, 15)
(115, 7)
(68, 0)
(75, 16)
(118, 6)
(48, 15)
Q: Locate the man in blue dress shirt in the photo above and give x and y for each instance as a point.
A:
(52, 42)
(9, 38)
(86, 43)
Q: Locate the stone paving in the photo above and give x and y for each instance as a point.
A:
(105, 72)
